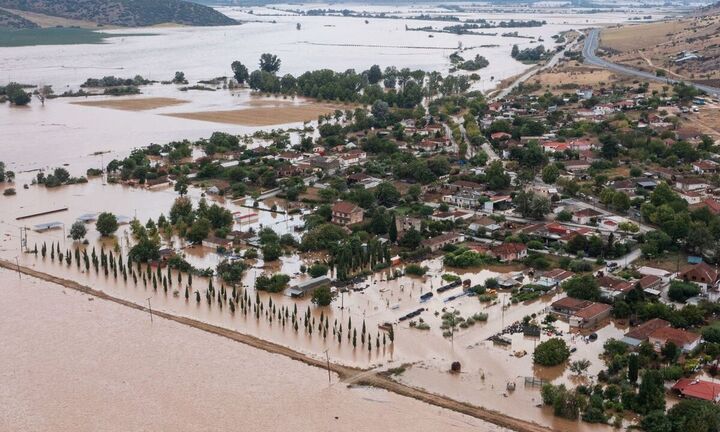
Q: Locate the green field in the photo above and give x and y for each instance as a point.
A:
(56, 36)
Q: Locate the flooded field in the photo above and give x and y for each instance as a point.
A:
(85, 365)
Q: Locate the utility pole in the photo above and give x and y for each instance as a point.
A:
(23, 239)
(327, 358)
(17, 263)
(150, 309)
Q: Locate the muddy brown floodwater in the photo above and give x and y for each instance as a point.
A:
(84, 364)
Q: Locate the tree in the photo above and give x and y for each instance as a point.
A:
(240, 72)
(579, 367)
(269, 63)
(380, 110)
(199, 230)
(78, 231)
(181, 185)
(651, 394)
(106, 224)
(179, 78)
(374, 74)
(584, 287)
(680, 291)
(16, 95)
(496, 176)
(531, 205)
(552, 352)
(182, 208)
(387, 195)
(411, 239)
(633, 368)
(231, 271)
(392, 230)
(271, 251)
(318, 269)
(550, 174)
(322, 296)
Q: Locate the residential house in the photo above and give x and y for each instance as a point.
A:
(465, 199)
(450, 215)
(509, 251)
(651, 285)
(217, 243)
(353, 157)
(405, 223)
(585, 216)
(712, 204)
(706, 167)
(569, 305)
(464, 186)
(703, 274)
(614, 288)
(581, 313)
(346, 213)
(553, 278)
(697, 389)
(590, 316)
(642, 332)
(439, 242)
(691, 184)
(683, 339)
(484, 224)
(576, 165)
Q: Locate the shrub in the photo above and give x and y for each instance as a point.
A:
(552, 352)
(415, 270)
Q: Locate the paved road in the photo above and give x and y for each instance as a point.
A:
(554, 60)
(591, 45)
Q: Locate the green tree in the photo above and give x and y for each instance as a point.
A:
(551, 352)
(78, 231)
(269, 63)
(106, 224)
(271, 251)
(240, 72)
(322, 296)
(550, 174)
(496, 176)
(318, 269)
(651, 394)
(633, 368)
(16, 95)
(199, 230)
(584, 287)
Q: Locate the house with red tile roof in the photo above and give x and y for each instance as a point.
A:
(703, 274)
(346, 213)
(697, 389)
(682, 339)
(590, 316)
(614, 288)
(642, 332)
(509, 251)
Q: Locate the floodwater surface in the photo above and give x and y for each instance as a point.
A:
(81, 364)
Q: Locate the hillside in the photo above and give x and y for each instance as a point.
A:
(126, 13)
(12, 21)
(687, 48)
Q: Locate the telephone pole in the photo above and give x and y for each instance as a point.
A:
(327, 358)
(150, 309)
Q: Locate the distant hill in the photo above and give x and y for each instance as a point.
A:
(126, 13)
(12, 21)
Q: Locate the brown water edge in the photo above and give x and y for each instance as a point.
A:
(347, 374)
